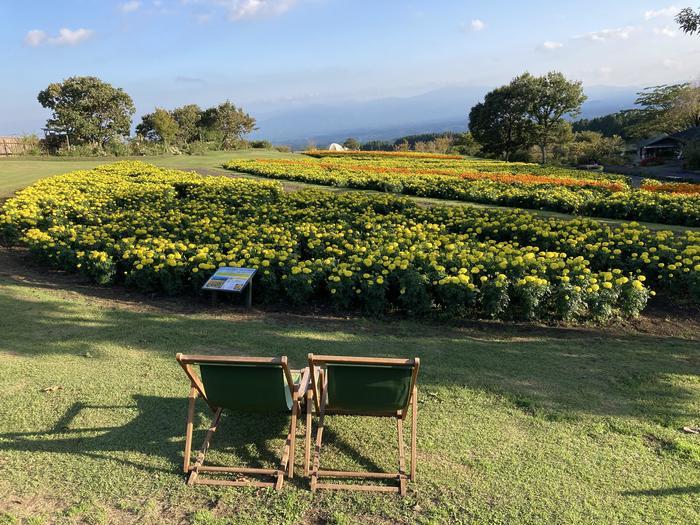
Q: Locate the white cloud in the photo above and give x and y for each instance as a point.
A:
(129, 7)
(620, 33)
(669, 11)
(665, 31)
(549, 45)
(606, 70)
(65, 37)
(35, 37)
(69, 37)
(477, 25)
(242, 9)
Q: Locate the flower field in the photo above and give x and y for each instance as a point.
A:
(519, 185)
(166, 231)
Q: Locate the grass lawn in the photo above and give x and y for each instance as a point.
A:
(18, 172)
(517, 424)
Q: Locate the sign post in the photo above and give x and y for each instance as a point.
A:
(232, 280)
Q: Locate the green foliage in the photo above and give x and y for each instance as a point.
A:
(590, 147)
(620, 124)
(691, 155)
(689, 20)
(188, 118)
(549, 99)
(260, 144)
(528, 111)
(499, 123)
(230, 122)
(667, 108)
(352, 144)
(165, 126)
(87, 110)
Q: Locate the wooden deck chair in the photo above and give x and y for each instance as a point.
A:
(364, 387)
(248, 384)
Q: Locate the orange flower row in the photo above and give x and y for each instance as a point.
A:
(674, 187)
(541, 179)
(356, 153)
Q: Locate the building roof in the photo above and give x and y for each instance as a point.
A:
(681, 137)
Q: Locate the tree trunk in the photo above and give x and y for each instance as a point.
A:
(543, 150)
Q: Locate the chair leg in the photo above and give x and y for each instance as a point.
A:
(317, 449)
(402, 465)
(414, 427)
(188, 430)
(307, 439)
(194, 472)
(293, 437)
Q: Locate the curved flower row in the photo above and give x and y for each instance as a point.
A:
(164, 230)
(584, 194)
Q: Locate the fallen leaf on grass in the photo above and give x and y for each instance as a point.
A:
(52, 388)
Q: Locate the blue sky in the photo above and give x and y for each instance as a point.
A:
(272, 54)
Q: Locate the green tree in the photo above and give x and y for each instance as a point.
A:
(146, 128)
(499, 123)
(465, 144)
(165, 126)
(549, 99)
(667, 108)
(352, 144)
(87, 110)
(689, 21)
(231, 123)
(188, 118)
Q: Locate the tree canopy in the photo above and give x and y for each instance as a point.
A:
(689, 21)
(224, 124)
(87, 110)
(500, 124)
(528, 111)
(549, 98)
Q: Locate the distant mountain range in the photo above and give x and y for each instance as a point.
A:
(436, 111)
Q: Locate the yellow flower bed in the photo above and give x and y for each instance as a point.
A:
(167, 231)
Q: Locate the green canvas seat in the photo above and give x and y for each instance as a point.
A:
(362, 386)
(242, 384)
(231, 385)
(368, 389)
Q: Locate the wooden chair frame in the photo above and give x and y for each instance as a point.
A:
(286, 465)
(319, 392)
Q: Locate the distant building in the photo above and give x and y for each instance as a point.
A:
(336, 147)
(668, 146)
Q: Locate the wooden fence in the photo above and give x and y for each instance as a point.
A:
(12, 146)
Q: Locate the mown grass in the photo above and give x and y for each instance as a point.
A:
(516, 424)
(19, 172)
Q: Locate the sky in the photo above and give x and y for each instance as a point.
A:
(269, 55)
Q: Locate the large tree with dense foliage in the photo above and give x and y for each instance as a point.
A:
(500, 124)
(87, 110)
(549, 99)
(351, 144)
(229, 122)
(188, 118)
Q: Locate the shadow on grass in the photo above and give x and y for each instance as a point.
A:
(557, 373)
(158, 431)
(671, 491)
